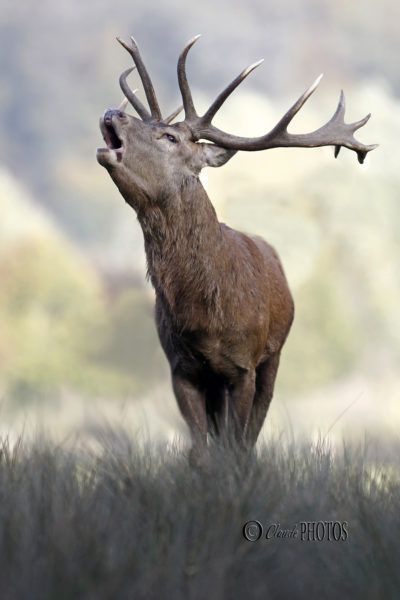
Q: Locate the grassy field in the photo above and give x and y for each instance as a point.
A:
(121, 519)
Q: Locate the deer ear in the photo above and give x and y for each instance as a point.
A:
(215, 156)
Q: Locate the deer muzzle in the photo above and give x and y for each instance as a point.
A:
(114, 144)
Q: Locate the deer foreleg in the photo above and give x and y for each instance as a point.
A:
(192, 404)
(241, 401)
(265, 381)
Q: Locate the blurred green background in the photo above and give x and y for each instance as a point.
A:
(77, 338)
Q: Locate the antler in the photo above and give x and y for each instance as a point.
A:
(131, 96)
(334, 133)
(147, 84)
(155, 114)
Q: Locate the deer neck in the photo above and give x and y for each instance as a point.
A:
(183, 239)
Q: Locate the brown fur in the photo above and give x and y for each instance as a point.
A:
(223, 307)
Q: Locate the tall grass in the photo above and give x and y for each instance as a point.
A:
(127, 520)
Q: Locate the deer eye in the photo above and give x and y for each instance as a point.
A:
(171, 138)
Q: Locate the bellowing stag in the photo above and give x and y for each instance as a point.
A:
(223, 306)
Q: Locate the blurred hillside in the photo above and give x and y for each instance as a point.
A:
(75, 311)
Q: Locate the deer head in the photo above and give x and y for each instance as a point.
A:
(147, 154)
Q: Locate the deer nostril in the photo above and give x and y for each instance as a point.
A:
(112, 112)
(108, 115)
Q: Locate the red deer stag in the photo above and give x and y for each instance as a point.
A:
(223, 306)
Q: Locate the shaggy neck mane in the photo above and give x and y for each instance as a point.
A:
(183, 242)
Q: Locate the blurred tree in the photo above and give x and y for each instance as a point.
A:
(48, 302)
(129, 341)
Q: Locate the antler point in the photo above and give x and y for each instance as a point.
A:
(124, 44)
(251, 68)
(193, 40)
(316, 83)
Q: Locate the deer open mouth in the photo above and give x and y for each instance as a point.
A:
(110, 136)
(115, 146)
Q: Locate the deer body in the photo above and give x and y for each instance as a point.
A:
(223, 306)
(218, 318)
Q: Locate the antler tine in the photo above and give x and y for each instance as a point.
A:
(361, 122)
(288, 117)
(145, 77)
(133, 99)
(123, 104)
(218, 102)
(173, 115)
(190, 111)
(191, 116)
